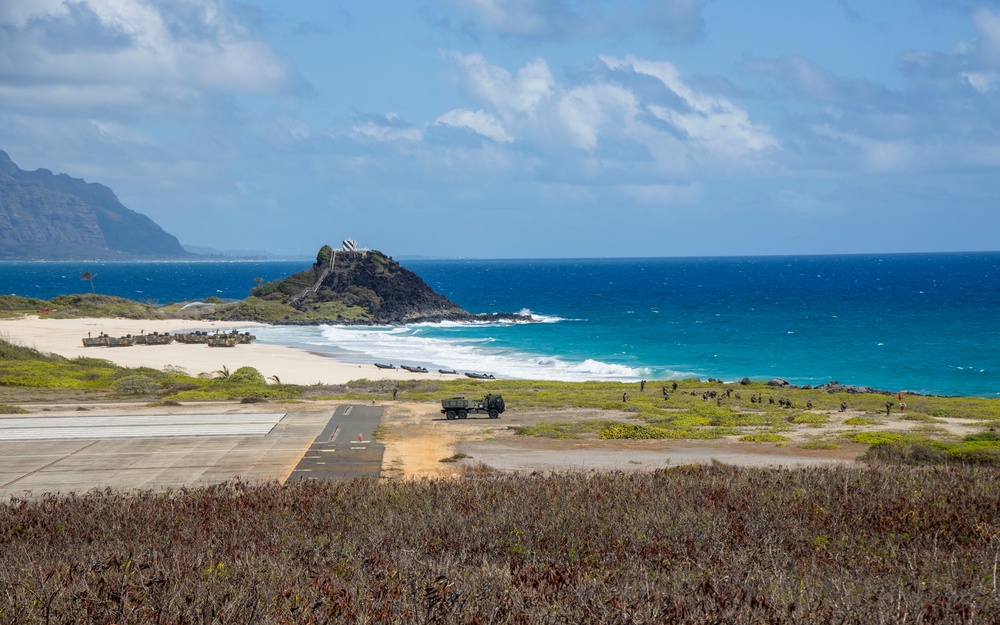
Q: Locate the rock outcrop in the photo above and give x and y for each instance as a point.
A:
(347, 287)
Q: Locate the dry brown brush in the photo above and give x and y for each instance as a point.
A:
(689, 545)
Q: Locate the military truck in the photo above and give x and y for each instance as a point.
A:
(460, 407)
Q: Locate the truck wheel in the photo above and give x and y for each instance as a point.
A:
(462, 414)
(494, 414)
(451, 415)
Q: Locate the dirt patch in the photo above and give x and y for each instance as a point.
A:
(417, 437)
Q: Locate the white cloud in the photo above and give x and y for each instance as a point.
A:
(127, 53)
(987, 24)
(511, 95)
(877, 156)
(606, 117)
(983, 82)
(522, 18)
(588, 109)
(478, 121)
(712, 122)
(388, 128)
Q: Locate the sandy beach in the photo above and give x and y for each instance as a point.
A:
(291, 365)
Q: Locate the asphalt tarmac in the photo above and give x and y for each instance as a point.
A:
(344, 449)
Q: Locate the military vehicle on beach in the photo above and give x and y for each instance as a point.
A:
(154, 339)
(217, 339)
(103, 340)
(460, 407)
(192, 337)
(222, 340)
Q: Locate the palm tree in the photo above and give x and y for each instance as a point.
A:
(89, 276)
(223, 373)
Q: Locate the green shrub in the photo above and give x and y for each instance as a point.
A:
(21, 304)
(740, 420)
(632, 431)
(565, 430)
(247, 375)
(810, 418)
(983, 436)
(878, 438)
(905, 452)
(860, 421)
(641, 432)
(764, 437)
(135, 385)
(819, 445)
(11, 409)
(13, 351)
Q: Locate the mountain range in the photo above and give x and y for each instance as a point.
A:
(46, 216)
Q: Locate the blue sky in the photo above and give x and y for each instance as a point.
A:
(521, 128)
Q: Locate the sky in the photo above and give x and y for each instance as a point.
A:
(521, 128)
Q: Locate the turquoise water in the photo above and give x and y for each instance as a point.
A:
(920, 322)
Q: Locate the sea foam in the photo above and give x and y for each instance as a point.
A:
(410, 346)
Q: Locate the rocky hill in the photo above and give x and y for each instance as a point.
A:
(45, 216)
(350, 288)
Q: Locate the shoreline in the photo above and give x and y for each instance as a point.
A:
(291, 365)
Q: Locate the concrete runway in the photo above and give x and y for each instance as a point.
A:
(140, 449)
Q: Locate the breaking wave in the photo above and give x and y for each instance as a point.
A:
(412, 345)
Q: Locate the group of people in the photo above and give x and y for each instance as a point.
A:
(758, 398)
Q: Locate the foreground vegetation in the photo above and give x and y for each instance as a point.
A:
(688, 545)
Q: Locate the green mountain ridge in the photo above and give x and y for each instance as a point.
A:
(46, 216)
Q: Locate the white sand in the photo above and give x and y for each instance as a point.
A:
(292, 366)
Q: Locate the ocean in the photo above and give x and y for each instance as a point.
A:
(926, 323)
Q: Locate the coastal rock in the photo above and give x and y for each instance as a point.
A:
(746, 381)
(778, 382)
(350, 287)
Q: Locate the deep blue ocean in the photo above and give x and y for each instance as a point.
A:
(920, 322)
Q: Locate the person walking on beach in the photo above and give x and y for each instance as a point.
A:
(902, 406)
(888, 408)
(642, 386)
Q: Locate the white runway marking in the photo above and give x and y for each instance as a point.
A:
(136, 426)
